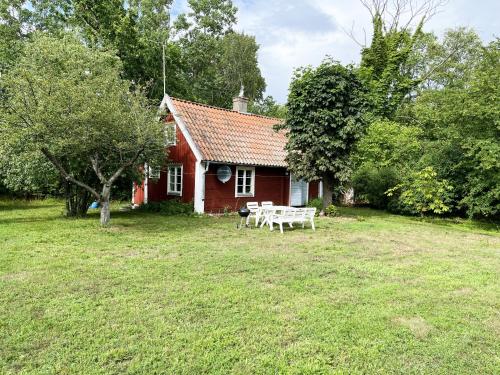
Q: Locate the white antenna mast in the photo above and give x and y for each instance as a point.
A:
(164, 76)
(163, 57)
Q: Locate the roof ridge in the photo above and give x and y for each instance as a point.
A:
(225, 109)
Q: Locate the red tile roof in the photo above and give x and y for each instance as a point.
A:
(227, 136)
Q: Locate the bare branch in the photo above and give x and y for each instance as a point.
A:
(350, 34)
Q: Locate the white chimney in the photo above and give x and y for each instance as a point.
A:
(240, 103)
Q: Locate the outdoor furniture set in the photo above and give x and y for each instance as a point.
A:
(268, 214)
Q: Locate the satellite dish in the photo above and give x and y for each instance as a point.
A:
(224, 173)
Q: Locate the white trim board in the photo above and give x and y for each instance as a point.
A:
(182, 127)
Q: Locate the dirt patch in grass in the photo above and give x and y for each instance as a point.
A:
(462, 292)
(15, 276)
(418, 326)
(494, 324)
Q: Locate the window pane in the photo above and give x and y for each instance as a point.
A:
(240, 189)
(178, 188)
(247, 189)
(179, 178)
(172, 186)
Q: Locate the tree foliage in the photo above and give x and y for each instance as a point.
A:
(69, 102)
(268, 107)
(324, 120)
(217, 60)
(423, 192)
(451, 112)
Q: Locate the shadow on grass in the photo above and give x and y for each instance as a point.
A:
(363, 212)
(488, 226)
(18, 204)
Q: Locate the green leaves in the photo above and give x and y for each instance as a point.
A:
(422, 192)
(324, 119)
(70, 102)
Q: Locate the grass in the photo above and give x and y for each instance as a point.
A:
(366, 293)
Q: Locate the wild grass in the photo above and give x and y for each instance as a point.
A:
(366, 293)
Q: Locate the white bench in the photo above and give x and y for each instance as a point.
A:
(291, 215)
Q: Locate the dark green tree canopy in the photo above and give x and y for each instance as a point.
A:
(325, 117)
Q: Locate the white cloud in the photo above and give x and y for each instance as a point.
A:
(293, 33)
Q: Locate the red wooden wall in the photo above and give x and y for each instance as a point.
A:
(271, 184)
(157, 189)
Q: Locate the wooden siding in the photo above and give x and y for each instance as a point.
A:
(271, 184)
(179, 154)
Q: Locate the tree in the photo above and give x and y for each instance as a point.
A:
(69, 102)
(268, 107)
(324, 120)
(461, 121)
(217, 60)
(387, 153)
(386, 65)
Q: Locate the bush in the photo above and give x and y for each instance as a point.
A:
(424, 193)
(370, 184)
(317, 203)
(331, 210)
(169, 207)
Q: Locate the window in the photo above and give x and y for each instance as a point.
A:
(245, 181)
(174, 186)
(170, 134)
(154, 173)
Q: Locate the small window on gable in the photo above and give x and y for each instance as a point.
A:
(154, 173)
(170, 134)
(245, 182)
(174, 186)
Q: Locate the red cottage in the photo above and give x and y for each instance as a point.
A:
(221, 159)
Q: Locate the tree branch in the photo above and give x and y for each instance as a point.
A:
(126, 165)
(94, 160)
(65, 174)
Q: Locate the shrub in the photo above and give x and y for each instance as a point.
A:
(370, 184)
(423, 192)
(331, 210)
(169, 207)
(317, 203)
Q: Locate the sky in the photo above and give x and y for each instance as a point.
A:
(294, 33)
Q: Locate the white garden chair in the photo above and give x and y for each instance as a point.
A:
(254, 212)
(266, 204)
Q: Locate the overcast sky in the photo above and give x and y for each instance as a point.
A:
(293, 33)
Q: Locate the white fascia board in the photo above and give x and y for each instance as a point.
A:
(182, 126)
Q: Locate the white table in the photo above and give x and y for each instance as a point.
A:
(267, 213)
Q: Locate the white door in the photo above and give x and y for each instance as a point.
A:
(298, 192)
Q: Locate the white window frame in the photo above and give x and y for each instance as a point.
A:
(252, 184)
(154, 173)
(175, 192)
(168, 127)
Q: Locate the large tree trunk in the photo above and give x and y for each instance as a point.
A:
(105, 211)
(327, 191)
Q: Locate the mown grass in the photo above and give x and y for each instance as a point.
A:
(366, 293)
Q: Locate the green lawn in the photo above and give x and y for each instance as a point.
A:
(367, 293)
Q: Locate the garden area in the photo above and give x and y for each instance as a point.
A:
(368, 292)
